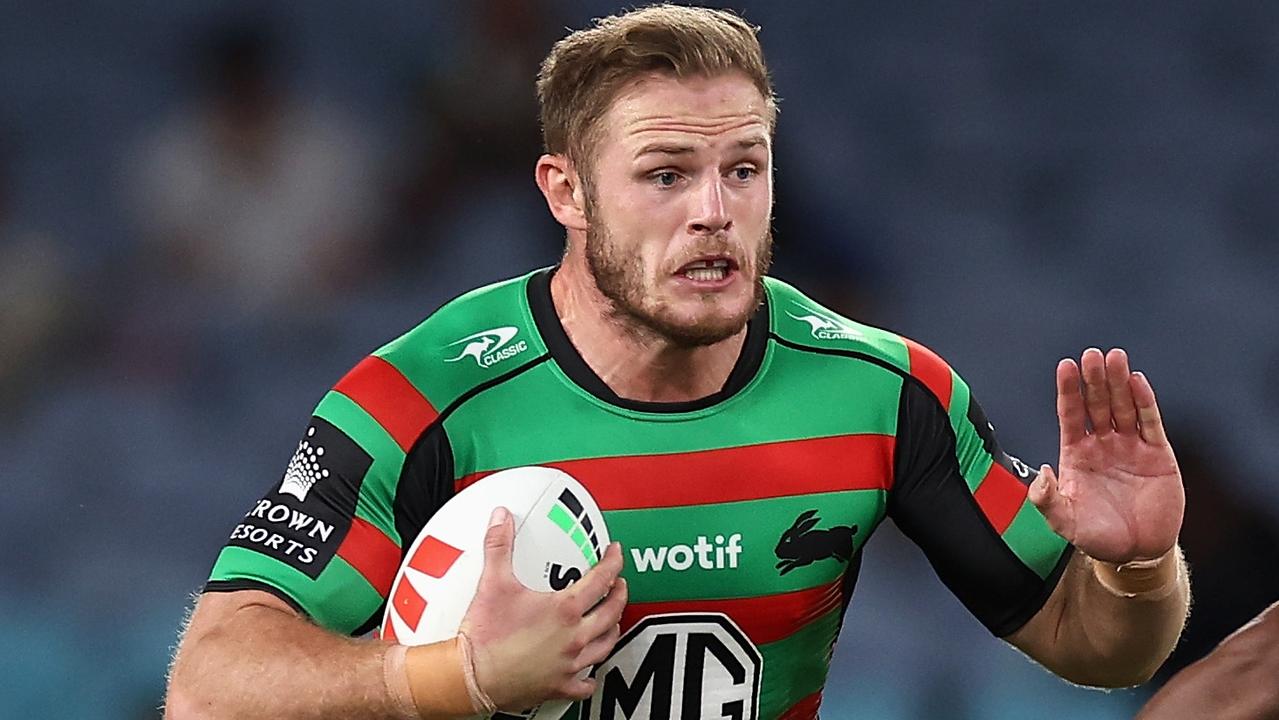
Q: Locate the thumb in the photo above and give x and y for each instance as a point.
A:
(499, 542)
(1046, 496)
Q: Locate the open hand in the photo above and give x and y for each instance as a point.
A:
(530, 646)
(1118, 496)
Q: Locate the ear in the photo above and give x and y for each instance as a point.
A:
(560, 185)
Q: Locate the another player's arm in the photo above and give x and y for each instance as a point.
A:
(1122, 603)
(1236, 681)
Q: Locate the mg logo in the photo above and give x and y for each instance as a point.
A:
(695, 666)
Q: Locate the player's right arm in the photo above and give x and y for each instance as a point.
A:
(248, 654)
(311, 564)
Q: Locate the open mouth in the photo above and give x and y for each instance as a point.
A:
(708, 270)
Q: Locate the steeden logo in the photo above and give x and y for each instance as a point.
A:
(489, 347)
(826, 327)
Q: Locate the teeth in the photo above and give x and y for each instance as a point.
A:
(706, 274)
(696, 264)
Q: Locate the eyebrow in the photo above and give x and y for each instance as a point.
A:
(661, 148)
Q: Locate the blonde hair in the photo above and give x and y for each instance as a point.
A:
(584, 72)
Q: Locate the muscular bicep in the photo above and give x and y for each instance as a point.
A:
(964, 502)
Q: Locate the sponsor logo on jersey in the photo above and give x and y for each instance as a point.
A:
(489, 347)
(804, 544)
(825, 326)
(303, 521)
(305, 469)
(696, 665)
(705, 554)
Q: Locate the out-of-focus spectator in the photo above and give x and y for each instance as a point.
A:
(464, 197)
(264, 198)
(35, 295)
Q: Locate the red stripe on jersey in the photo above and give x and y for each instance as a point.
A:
(386, 395)
(781, 469)
(408, 604)
(371, 553)
(764, 619)
(434, 557)
(805, 709)
(927, 367)
(1000, 496)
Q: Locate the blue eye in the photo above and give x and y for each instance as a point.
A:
(744, 173)
(666, 178)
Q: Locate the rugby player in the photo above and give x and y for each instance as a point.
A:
(1238, 680)
(742, 440)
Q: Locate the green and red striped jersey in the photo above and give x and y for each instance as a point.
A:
(743, 514)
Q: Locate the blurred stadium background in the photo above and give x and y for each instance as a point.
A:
(209, 211)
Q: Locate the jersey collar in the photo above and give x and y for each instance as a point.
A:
(571, 362)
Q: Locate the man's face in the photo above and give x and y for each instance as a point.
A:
(678, 211)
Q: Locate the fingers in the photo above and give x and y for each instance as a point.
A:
(1096, 391)
(1123, 413)
(1070, 404)
(596, 583)
(599, 648)
(1096, 395)
(499, 542)
(609, 611)
(1143, 395)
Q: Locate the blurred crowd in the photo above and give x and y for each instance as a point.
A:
(208, 212)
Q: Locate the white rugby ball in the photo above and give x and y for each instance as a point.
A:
(559, 535)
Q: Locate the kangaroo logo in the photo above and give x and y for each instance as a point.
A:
(801, 545)
(824, 327)
(489, 346)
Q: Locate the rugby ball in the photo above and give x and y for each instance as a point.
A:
(559, 535)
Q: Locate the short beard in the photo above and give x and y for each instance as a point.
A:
(620, 278)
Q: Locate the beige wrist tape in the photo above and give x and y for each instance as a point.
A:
(396, 679)
(480, 700)
(1137, 567)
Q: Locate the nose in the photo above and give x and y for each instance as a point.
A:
(708, 215)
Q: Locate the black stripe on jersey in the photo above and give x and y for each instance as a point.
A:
(842, 353)
(932, 505)
(426, 478)
(1025, 474)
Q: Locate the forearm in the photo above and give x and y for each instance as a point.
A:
(1093, 633)
(257, 661)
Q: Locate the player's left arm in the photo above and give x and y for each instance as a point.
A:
(1120, 606)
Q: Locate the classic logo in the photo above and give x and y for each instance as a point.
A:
(801, 544)
(722, 554)
(826, 327)
(697, 665)
(489, 347)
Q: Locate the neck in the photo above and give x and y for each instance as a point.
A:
(633, 361)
